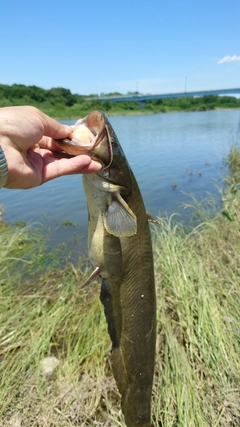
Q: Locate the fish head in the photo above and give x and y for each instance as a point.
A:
(93, 135)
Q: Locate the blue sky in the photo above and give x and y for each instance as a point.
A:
(153, 46)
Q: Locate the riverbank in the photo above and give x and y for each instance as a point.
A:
(73, 113)
(133, 113)
(45, 312)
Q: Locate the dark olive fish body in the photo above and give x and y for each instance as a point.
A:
(120, 249)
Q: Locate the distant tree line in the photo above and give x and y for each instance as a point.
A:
(18, 94)
(203, 103)
(60, 102)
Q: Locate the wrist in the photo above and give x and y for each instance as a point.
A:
(3, 168)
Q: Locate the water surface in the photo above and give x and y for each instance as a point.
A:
(169, 154)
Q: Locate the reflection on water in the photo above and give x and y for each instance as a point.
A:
(169, 154)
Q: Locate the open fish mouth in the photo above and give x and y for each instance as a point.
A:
(87, 134)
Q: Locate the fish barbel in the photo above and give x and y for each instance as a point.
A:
(120, 250)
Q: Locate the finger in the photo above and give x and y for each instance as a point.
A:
(48, 143)
(53, 128)
(54, 168)
(35, 148)
(26, 126)
(54, 154)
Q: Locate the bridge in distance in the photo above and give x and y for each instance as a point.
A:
(143, 98)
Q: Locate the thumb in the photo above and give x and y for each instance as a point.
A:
(53, 128)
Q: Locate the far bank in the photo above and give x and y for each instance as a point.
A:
(60, 103)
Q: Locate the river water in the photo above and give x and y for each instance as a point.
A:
(170, 154)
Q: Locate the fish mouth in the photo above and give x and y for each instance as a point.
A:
(87, 134)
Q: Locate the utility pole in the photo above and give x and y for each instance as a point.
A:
(185, 88)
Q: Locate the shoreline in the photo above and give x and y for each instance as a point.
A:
(137, 113)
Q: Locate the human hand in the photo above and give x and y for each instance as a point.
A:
(32, 156)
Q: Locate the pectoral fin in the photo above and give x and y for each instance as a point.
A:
(120, 219)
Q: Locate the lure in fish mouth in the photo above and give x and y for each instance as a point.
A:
(120, 250)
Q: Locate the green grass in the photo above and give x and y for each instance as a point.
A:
(44, 311)
(234, 164)
(198, 302)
